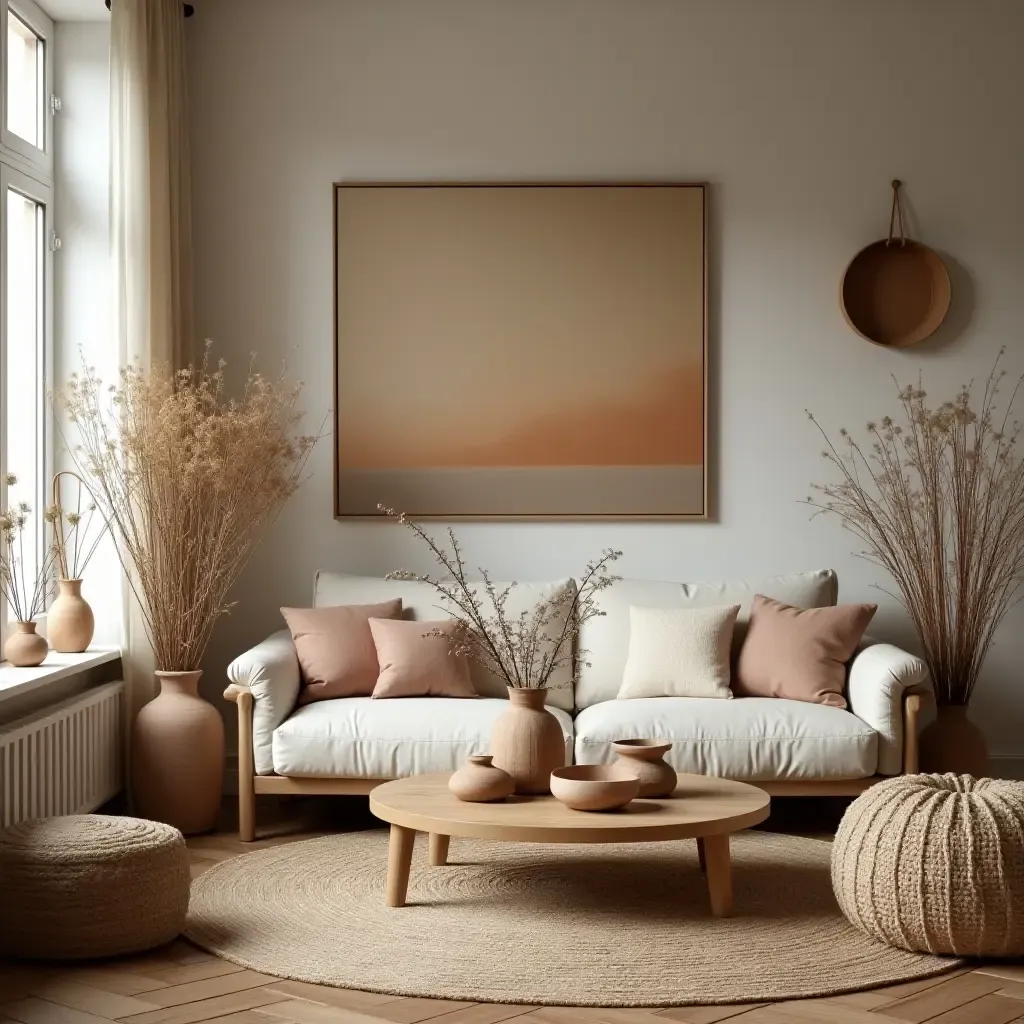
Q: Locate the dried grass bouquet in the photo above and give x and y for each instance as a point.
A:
(26, 593)
(189, 480)
(939, 501)
(521, 649)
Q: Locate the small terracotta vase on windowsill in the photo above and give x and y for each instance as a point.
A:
(70, 622)
(953, 743)
(25, 648)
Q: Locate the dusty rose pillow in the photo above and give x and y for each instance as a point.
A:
(335, 648)
(799, 653)
(415, 665)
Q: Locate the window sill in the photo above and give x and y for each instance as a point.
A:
(16, 682)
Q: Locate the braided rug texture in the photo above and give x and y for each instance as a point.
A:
(90, 885)
(935, 863)
(554, 925)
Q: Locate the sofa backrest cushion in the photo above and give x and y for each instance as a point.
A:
(605, 639)
(421, 602)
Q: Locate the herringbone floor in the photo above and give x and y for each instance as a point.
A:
(180, 984)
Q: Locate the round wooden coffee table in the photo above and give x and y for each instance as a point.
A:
(702, 808)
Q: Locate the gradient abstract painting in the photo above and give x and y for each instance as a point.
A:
(521, 350)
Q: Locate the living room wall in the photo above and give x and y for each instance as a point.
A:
(798, 112)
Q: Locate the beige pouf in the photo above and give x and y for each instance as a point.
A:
(90, 885)
(935, 863)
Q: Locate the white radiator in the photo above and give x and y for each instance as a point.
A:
(65, 759)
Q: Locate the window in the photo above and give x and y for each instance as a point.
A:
(26, 207)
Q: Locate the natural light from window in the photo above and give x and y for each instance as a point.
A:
(24, 81)
(25, 249)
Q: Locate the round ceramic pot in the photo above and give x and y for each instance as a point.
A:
(478, 781)
(69, 622)
(527, 741)
(178, 756)
(646, 759)
(25, 648)
(953, 743)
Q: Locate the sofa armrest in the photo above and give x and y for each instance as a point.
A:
(270, 672)
(881, 675)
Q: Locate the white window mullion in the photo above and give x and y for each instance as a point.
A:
(26, 125)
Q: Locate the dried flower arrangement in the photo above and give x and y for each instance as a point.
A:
(26, 597)
(188, 480)
(76, 535)
(939, 501)
(520, 649)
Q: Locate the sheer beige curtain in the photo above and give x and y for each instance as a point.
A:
(151, 220)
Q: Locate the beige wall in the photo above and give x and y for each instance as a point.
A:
(799, 112)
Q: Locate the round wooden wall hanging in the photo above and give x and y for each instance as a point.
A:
(895, 292)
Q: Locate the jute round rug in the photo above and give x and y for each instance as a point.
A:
(553, 925)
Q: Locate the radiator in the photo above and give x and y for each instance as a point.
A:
(65, 759)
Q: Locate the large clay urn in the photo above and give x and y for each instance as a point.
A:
(25, 648)
(527, 741)
(69, 622)
(953, 743)
(178, 756)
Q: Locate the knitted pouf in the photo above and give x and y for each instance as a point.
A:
(935, 863)
(90, 885)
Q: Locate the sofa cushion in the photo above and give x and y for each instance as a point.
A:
(421, 602)
(359, 737)
(745, 738)
(605, 638)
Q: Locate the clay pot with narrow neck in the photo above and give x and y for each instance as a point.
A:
(646, 758)
(953, 743)
(527, 741)
(479, 781)
(25, 648)
(69, 622)
(178, 756)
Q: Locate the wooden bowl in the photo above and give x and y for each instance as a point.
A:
(594, 787)
(895, 293)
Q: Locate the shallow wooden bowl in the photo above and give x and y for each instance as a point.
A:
(594, 787)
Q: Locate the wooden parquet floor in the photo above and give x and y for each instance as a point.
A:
(180, 984)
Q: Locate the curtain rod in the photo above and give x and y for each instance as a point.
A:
(187, 8)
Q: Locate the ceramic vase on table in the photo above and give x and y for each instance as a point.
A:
(479, 781)
(527, 741)
(178, 756)
(25, 648)
(953, 743)
(646, 758)
(69, 622)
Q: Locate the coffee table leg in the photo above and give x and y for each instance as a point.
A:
(701, 856)
(719, 874)
(439, 849)
(399, 862)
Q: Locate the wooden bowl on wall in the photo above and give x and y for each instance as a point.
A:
(895, 293)
(594, 787)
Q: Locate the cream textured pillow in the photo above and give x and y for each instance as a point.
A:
(678, 652)
(415, 664)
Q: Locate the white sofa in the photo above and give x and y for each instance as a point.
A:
(352, 744)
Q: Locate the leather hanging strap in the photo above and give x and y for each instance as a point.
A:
(896, 214)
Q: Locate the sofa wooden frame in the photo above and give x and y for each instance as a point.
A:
(250, 785)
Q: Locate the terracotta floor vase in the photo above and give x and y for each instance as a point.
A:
(527, 741)
(646, 758)
(178, 756)
(953, 743)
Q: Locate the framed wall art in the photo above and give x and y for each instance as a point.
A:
(521, 350)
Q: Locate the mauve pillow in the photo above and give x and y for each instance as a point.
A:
(799, 653)
(335, 648)
(413, 664)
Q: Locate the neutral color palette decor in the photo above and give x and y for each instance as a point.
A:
(69, 620)
(595, 787)
(521, 350)
(705, 808)
(478, 928)
(647, 759)
(91, 885)
(24, 647)
(527, 741)
(479, 781)
(935, 863)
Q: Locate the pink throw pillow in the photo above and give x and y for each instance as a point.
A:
(335, 648)
(413, 664)
(800, 653)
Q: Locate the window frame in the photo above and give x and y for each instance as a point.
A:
(16, 179)
(13, 148)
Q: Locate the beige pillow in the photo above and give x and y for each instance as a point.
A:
(678, 652)
(415, 664)
(335, 648)
(800, 653)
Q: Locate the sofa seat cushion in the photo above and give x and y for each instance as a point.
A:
(746, 738)
(358, 737)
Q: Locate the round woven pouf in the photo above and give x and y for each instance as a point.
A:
(935, 863)
(90, 885)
